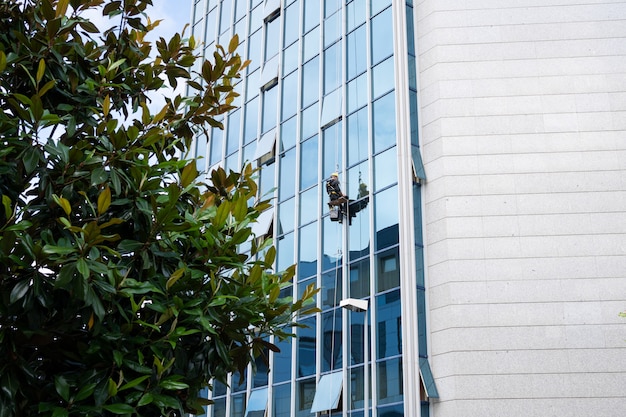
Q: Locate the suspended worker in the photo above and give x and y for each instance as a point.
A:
(337, 198)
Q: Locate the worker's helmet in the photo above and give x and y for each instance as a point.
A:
(334, 174)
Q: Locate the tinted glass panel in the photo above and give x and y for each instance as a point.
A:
(387, 270)
(386, 219)
(306, 348)
(304, 397)
(217, 145)
(201, 151)
(310, 121)
(330, 292)
(290, 58)
(378, 5)
(384, 122)
(251, 121)
(382, 36)
(307, 265)
(272, 33)
(332, 67)
(356, 14)
(285, 252)
(331, 6)
(388, 324)
(286, 216)
(355, 386)
(292, 23)
(254, 50)
(382, 80)
(238, 405)
(308, 205)
(288, 134)
(268, 176)
(256, 18)
(358, 176)
(282, 361)
(253, 83)
(270, 109)
(282, 400)
(356, 54)
(357, 136)
(357, 93)
(260, 378)
(310, 82)
(232, 163)
(311, 14)
(331, 340)
(385, 169)
(225, 15)
(219, 388)
(290, 95)
(332, 29)
(311, 44)
(240, 9)
(355, 324)
(219, 408)
(234, 121)
(360, 278)
(390, 381)
(331, 251)
(308, 163)
(332, 149)
(360, 234)
(287, 183)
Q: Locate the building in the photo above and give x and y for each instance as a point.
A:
(495, 269)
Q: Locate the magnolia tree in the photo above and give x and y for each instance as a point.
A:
(124, 288)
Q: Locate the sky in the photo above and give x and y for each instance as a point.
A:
(174, 13)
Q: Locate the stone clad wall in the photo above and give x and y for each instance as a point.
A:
(523, 133)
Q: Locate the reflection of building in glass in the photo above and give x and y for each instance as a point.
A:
(521, 127)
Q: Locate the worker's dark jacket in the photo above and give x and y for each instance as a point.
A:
(333, 190)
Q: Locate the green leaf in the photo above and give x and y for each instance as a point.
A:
(83, 268)
(174, 385)
(190, 173)
(111, 388)
(234, 43)
(85, 391)
(134, 382)
(20, 290)
(58, 250)
(146, 399)
(60, 412)
(41, 69)
(3, 61)
(175, 277)
(62, 387)
(6, 202)
(63, 203)
(47, 86)
(119, 408)
(31, 159)
(104, 200)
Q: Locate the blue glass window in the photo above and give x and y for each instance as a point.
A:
(357, 136)
(356, 383)
(332, 243)
(270, 109)
(382, 36)
(332, 149)
(201, 148)
(332, 29)
(284, 252)
(288, 134)
(225, 15)
(240, 29)
(304, 397)
(307, 260)
(251, 120)
(378, 5)
(238, 405)
(310, 82)
(331, 6)
(331, 340)
(290, 95)
(292, 24)
(328, 393)
(290, 58)
(268, 175)
(253, 82)
(287, 184)
(356, 53)
(386, 219)
(388, 325)
(358, 177)
(282, 361)
(385, 169)
(257, 403)
(311, 14)
(282, 400)
(360, 234)
(232, 163)
(360, 278)
(310, 121)
(259, 379)
(332, 67)
(384, 122)
(308, 163)
(272, 37)
(331, 108)
(256, 18)
(308, 205)
(357, 93)
(234, 121)
(390, 383)
(217, 145)
(355, 15)
(382, 80)
(219, 408)
(311, 44)
(254, 51)
(286, 216)
(388, 269)
(240, 9)
(306, 349)
(356, 327)
(330, 292)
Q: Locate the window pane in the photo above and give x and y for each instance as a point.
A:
(331, 293)
(225, 15)
(256, 18)
(304, 397)
(388, 324)
(236, 385)
(308, 206)
(331, 6)
(311, 14)
(357, 179)
(284, 252)
(382, 81)
(287, 183)
(260, 378)
(240, 9)
(238, 405)
(219, 408)
(286, 216)
(217, 145)
(384, 122)
(307, 260)
(219, 388)
(290, 58)
(331, 250)
(360, 234)
(290, 95)
(288, 134)
(382, 37)
(356, 327)
(357, 136)
(397, 410)
(270, 109)
(254, 51)
(234, 121)
(272, 37)
(311, 44)
(310, 82)
(356, 383)
(282, 400)
(306, 348)
(357, 93)
(253, 83)
(240, 29)
(308, 163)
(201, 150)
(378, 5)
(232, 163)
(292, 23)
(268, 175)
(332, 29)
(332, 149)
(331, 107)
(356, 14)
(387, 270)
(386, 220)
(331, 339)
(385, 169)
(332, 67)
(390, 381)
(251, 121)
(282, 361)
(360, 278)
(356, 54)
(309, 122)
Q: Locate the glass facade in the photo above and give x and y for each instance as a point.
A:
(322, 81)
